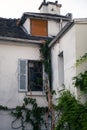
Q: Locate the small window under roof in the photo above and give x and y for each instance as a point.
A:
(39, 27)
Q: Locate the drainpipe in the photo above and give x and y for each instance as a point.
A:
(61, 22)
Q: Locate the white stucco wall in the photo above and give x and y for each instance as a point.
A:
(43, 9)
(50, 8)
(26, 25)
(54, 61)
(10, 53)
(81, 49)
(73, 44)
(81, 44)
(9, 56)
(53, 28)
(56, 9)
(67, 46)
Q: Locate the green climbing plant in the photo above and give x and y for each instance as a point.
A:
(81, 81)
(30, 113)
(72, 115)
(45, 55)
(3, 108)
(81, 59)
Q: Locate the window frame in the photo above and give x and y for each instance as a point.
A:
(34, 61)
(61, 68)
(27, 77)
(34, 30)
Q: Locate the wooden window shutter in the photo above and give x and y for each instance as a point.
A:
(22, 75)
(39, 27)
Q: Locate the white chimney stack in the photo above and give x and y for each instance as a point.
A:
(50, 7)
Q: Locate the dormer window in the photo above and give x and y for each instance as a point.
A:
(38, 27)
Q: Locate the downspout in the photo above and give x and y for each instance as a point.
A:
(60, 24)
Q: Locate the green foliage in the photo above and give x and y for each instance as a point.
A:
(3, 107)
(31, 113)
(45, 53)
(81, 81)
(18, 112)
(45, 50)
(81, 59)
(73, 115)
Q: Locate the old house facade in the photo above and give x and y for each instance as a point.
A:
(20, 41)
(21, 66)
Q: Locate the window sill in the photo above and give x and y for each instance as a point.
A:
(39, 93)
(61, 88)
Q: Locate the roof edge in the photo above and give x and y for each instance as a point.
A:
(21, 40)
(42, 16)
(80, 20)
(66, 28)
(61, 33)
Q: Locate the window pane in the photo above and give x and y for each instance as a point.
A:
(35, 76)
(31, 73)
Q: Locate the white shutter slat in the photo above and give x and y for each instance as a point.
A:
(22, 75)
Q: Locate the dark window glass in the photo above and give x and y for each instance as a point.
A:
(35, 82)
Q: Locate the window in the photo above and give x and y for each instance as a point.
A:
(39, 27)
(30, 75)
(61, 69)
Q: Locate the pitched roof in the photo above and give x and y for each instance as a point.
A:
(10, 28)
(44, 16)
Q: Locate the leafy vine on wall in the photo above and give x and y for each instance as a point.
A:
(72, 115)
(81, 59)
(29, 113)
(45, 55)
(81, 79)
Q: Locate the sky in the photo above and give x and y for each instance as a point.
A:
(16, 8)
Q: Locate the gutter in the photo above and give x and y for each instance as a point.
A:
(21, 40)
(42, 16)
(80, 20)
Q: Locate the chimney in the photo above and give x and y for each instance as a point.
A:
(44, 1)
(50, 7)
